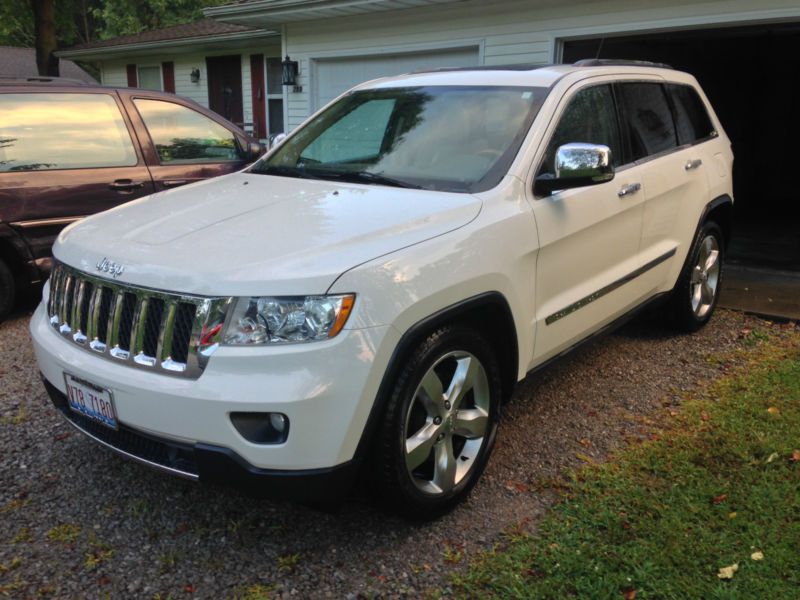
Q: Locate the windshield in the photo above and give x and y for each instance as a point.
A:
(457, 139)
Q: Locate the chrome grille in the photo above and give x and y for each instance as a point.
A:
(169, 333)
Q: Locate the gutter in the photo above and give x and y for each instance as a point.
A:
(103, 52)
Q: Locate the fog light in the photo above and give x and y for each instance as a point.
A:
(260, 427)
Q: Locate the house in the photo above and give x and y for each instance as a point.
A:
(21, 62)
(744, 54)
(231, 68)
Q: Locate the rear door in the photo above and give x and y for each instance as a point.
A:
(182, 144)
(64, 155)
(589, 237)
(662, 141)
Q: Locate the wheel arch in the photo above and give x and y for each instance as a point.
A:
(489, 313)
(719, 210)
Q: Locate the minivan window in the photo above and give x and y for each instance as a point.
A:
(182, 135)
(590, 118)
(46, 131)
(691, 117)
(448, 138)
(650, 128)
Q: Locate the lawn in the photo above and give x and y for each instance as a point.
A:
(709, 507)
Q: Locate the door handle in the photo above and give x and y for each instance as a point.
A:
(693, 164)
(629, 190)
(173, 182)
(125, 185)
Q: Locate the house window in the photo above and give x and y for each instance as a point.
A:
(150, 78)
(275, 95)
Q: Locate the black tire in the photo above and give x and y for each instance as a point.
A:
(682, 311)
(447, 349)
(8, 290)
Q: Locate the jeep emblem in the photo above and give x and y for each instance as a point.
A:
(110, 267)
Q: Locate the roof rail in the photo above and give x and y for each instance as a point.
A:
(615, 62)
(42, 79)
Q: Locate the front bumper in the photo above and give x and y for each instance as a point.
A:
(326, 389)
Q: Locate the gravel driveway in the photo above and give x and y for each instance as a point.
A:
(71, 527)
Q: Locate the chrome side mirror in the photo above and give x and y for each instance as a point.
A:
(578, 165)
(276, 139)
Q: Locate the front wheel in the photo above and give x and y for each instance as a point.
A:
(696, 294)
(8, 290)
(440, 423)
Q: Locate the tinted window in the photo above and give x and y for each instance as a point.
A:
(691, 118)
(182, 135)
(590, 118)
(649, 119)
(62, 131)
(453, 138)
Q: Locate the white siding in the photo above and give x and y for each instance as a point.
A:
(115, 74)
(507, 31)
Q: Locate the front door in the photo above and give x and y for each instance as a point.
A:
(589, 237)
(186, 145)
(225, 87)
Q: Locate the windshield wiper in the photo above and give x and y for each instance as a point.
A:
(370, 177)
(285, 171)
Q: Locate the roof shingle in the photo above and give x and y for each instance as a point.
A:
(21, 62)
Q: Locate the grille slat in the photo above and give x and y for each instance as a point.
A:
(131, 325)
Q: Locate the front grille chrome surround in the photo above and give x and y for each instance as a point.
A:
(153, 330)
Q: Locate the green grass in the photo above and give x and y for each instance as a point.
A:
(720, 482)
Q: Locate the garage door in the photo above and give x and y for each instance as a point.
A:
(335, 76)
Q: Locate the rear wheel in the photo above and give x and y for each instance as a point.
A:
(696, 294)
(8, 290)
(440, 423)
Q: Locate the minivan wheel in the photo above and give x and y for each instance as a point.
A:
(696, 294)
(8, 290)
(440, 423)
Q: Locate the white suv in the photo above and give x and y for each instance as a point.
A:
(366, 296)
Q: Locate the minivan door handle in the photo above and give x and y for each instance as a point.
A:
(173, 182)
(125, 185)
(629, 190)
(693, 164)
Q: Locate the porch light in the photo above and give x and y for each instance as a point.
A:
(195, 75)
(290, 69)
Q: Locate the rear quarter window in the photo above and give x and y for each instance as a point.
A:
(47, 131)
(691, 117)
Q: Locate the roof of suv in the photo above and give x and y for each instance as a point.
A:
(65, 84)
(519, 74)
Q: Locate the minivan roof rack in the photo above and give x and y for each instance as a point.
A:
(42, 79)
(616, 62)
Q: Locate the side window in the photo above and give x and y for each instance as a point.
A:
(691, 117)
(589, 118)
(356, 136)
(62, 131)
(182, 135)
(648, 117)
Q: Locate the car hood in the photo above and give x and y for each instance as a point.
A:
(247, 234)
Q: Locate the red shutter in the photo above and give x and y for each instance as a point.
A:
(259, 96)
(168, 75)
(133, 80)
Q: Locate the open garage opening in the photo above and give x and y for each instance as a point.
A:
(749, 75)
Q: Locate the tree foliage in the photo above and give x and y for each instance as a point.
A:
(83, 21)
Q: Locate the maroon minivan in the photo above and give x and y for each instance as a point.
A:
(69, 150)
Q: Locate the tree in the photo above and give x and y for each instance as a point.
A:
(44, 16)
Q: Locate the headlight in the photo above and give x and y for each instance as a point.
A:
(278, 320)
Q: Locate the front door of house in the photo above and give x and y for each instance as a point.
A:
(225, 87)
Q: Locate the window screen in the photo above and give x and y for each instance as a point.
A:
(62, 131)
(150, 78)
(182, 135)
(649, 119)
(691, 118)
(590, 118)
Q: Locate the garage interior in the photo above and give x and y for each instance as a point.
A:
(749, 74)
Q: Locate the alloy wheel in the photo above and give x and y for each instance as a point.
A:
(446, 422)
(705, 277)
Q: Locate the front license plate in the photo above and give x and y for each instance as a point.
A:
(91, 401)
